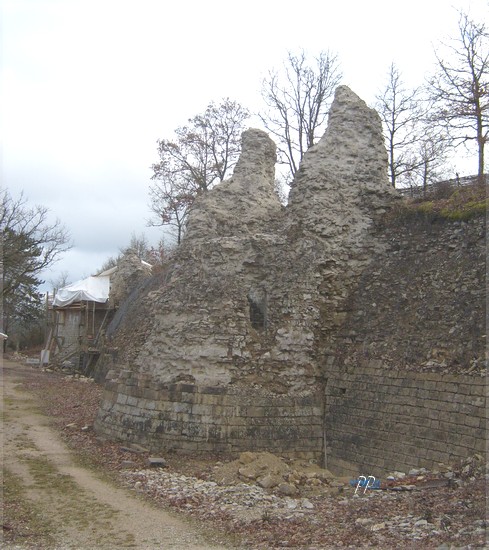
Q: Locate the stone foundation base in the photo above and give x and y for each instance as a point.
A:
(190, 418)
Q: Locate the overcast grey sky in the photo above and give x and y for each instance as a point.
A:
(88, 86)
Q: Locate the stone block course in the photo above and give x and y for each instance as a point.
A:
(428, 420)
(207, 421)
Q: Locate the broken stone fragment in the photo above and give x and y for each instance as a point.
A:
(138, 448)
(269, 481)
(247, 457)
(324, 475)
(315, 482)
(337, 484)
(287, 489)
(417, 472)
(156, 462)
(363, 521)
(133, 448)
(247, 472)
(291, 504)
(421, 523)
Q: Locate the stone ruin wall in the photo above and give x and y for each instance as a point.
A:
(407, 385)
(243, 339)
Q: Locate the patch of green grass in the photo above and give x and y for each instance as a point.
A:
(48, 477)
(71, 504)
(23, 519)
(461, 204)
(24, 442)
(465, 211)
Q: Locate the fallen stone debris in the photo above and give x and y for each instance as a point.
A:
(260, 493)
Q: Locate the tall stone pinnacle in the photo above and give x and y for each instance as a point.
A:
(342, 181)
(244, 203)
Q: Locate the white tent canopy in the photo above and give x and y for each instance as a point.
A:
(93, 289)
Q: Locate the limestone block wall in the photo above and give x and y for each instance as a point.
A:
(379, 419)
(189, 418)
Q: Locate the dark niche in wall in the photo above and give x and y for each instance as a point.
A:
(257, 300)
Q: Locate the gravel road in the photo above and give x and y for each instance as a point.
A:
(77, 509)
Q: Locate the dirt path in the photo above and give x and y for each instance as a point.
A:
(77, 509)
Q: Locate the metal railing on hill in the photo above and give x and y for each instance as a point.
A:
(416, 192)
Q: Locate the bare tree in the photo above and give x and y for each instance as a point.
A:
(298, 102)
(171, 197)
(460, 87)
(203, 153)
(61, 281)
(401, 112)
(429, 159)
(159, 255)
(138, 245)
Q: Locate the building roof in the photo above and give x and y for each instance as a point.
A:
(93, 289)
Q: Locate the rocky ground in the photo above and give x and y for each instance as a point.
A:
(268, 502)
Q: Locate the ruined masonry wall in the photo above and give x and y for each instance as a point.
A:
(189, 418)
(341, 297)
(379, 419)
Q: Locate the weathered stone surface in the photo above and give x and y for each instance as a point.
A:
(403, 431)
(269, 481)
(245, 300)
(287, 489)
(156, 462)
(342, 182)
(130, 270)
(421, 281)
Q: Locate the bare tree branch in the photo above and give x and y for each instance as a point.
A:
(460, 87)
(298, 102)
(400, 111)
(30, 243)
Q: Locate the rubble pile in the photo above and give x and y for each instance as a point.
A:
(420, 505)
